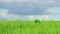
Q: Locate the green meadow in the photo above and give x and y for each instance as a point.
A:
(29, 27)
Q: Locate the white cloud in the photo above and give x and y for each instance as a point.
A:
(5, 0)
(3, 11)
(15, 0)
(34, 1)
(12, 17)
(4, 15)
(44, 17)
(48, 11)
(23, 0)
(32, 17)
(53, 10)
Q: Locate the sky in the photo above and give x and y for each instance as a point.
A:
(30, 9)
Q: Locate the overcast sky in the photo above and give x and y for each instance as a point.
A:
(50, 8)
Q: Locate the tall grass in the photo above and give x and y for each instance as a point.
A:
(29, 27)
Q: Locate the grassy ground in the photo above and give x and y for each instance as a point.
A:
(29, 27)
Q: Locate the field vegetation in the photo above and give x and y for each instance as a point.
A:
(29, 27)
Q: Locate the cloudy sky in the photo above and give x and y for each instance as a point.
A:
(16, 9)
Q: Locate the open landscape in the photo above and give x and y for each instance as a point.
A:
(29, 27)
(29, 16)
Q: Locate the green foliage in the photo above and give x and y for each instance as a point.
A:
(37, 20)
(29, 27)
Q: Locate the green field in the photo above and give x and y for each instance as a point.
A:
(29, 27)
